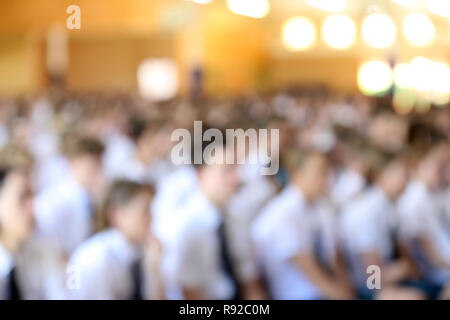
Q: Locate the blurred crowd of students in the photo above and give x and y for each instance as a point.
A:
(92, 207)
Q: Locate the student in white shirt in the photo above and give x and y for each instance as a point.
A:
(199, 262)
(422, 227)
(65, 211)
(293, 242)
(367, 227)
(25, 260)
(112, 264)
(149, 162)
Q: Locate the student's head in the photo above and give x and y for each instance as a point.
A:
(433, 165)
(218, 180)
(312, 175)
(16, 208)
(152, 137)
(127, 208)
(85, 156)
(390, 173)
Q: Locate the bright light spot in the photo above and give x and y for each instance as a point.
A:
(299, 34)
(249, 8)
(374, 77)
(403, 76)
(378, 30)
(328, 5)
(418, 29)
(439, 7)
(339, 31)
(157, 79)
(201, 1)
(407, 3)
(431, 80)
(403, 101)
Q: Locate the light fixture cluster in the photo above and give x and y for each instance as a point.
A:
(339, 31)
(420, 80)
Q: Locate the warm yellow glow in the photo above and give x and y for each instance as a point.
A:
(403, 76)
(328, 5)
(339, 31)
(407, 3)
(157, 79)
(298, 34)
(431, 79)
(249, 8)
(378, 30)
(439, 7)
(201, 1)
(403, 101)
(418, 29)
(374, 77)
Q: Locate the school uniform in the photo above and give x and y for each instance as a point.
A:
(422, 215)
(31, 273)
(172, 192)
(198, 255)
(288, 226)
(367, 224)
(346, 185)
(64, 213)
(118, 148)
(109, 268)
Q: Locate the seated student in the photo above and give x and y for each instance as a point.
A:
(293, 240)
(110, 264)
(64, 212)
(24, 259)
(367, 227)
(422, 226)
(199, 263)
(148, 163)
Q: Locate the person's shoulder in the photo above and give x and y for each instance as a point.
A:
(93, 251)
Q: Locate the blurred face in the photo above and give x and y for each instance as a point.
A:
(395, 177)
(16, 207)
(315, 175)
(87, 170)
(219, 182)
(433, 168)
(133, 218)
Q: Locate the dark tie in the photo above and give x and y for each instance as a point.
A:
(136, 274)
(227, 264)
(12, 288)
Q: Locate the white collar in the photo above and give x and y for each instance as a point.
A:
(6, 261)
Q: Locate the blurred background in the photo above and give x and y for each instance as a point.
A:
(93, 89)
(238, 47)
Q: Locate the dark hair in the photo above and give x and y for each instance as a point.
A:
(80, 145)
(119, 193)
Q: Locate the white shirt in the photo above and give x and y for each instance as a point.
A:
(421, 215)
(171, 193)
(193, 257)
(63, 214)
(366, 224)
(285, 228)
(118, 148)
(348, 184)
(35, 266)
(104, 264)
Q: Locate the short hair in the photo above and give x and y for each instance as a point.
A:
(74, 146)
(121, 192)
(15, 157)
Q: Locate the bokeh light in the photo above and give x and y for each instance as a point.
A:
(418, 29)
(403, 101)
(339, 31)
(403, 76)
(378, 30)
(375, 77)
(439, 7)
(328, 5)
(250, 8)
(157, 79)
(298, 34)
